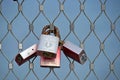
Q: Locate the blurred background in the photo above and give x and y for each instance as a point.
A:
(93, 25)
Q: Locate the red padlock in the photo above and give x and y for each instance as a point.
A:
(26, 55)
(51, 62)
(74, 52)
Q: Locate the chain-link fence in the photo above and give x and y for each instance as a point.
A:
(94, 25)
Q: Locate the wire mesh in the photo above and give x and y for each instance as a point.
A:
(94, 25)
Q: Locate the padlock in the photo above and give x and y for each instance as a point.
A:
(51, 62)
(26, 55)
(48, 43)
(74, 52)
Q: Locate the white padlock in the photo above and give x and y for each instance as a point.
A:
(48, 44)
(26, 55)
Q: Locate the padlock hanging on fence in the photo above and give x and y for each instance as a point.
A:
(51, 62)
(48, 44)
(74, 52)
(26, 55)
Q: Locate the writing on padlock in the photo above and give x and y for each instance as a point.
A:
(51, 62)
(25, 55)
(74, 52)
(48, 44)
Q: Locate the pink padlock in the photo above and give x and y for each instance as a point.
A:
(74, 52)
(51, 62)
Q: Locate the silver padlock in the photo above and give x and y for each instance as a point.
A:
(27, 54)
(74, 52)
(48, 44)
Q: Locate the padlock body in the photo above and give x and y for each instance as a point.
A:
(48, 46)
(26, 54)
(74, 52)
(51, 62)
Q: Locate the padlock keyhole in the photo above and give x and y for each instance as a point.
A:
(52, 34)
(48, 44)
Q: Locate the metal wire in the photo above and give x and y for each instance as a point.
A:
(71, 30)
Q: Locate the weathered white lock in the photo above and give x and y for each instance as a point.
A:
(48, 44)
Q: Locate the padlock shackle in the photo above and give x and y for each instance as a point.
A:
(46, 30)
